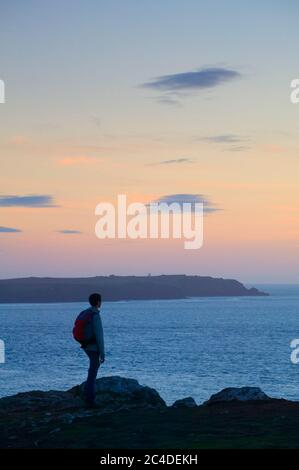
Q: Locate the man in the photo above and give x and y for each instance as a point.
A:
(94, 349)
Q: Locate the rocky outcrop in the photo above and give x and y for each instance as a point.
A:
(35, 415)
(112, 394)
(187, 402)
(40, 401)
(115, 393)
(243, 394)
(131, 415)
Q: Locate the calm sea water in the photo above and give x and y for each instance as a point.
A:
(181, 348)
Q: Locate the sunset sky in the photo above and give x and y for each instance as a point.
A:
(149, 99)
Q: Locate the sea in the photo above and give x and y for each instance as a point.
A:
(193, 347)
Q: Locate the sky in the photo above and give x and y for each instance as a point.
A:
(151, 99)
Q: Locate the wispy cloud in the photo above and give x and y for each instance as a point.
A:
(237, 148)
(9, 230)
(34, 200)
(224, 139)
(19, 140)
(232, 142)
(172, 162)
(196, 80)
(192, 199)
(168, 100)
(69, 232)
(175, 84)
(78, 161)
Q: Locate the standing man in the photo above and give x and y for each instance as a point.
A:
(88, 331)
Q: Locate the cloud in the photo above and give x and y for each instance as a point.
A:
(168, 100)
(78, 161)
(224, 139)
(19, 140)
(188, 198)
(274, 148)
(9, 230)
(69, 232)
(208, 77)
(238, 148)
(232, 140)
(34, 200)
(172, 162)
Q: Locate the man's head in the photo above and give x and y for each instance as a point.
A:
(95, 300)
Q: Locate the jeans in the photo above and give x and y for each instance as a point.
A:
(94, 364)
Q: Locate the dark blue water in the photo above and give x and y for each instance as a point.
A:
(181, 348)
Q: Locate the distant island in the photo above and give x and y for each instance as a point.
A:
(115, 288)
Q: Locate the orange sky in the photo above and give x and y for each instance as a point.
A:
(83, 128)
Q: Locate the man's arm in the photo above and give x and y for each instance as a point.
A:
(98, 331)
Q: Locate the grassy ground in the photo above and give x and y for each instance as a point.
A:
(256, 425)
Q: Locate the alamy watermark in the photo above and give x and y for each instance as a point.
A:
(2, 91)
(295, 353)
(2, 351)
(294, 96)
(176, 220)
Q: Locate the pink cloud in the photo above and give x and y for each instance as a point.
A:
(78, 161)
(19, 140)
(274, 148)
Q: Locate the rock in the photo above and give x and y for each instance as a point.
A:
(187, 402)
(38, 401)
(54, 431)
(115, 393)
(238, 394)
(27, 423)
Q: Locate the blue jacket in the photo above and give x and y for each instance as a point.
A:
(97, 330)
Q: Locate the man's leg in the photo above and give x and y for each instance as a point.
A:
(94, 364)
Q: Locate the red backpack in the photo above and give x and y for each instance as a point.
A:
(83, 331)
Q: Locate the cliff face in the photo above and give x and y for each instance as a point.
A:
(119, 288)
(132, 416)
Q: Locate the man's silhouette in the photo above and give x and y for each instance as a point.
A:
(94, 349)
